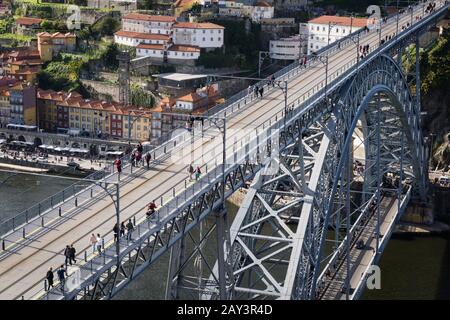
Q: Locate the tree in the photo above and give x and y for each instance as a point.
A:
(106, 26)
(141, 98)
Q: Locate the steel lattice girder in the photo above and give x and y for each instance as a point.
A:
(304, 247)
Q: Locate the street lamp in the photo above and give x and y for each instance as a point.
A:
(324, 60)
(262, 55)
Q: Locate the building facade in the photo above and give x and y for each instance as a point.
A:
(163, 39)
(50, 44)
(328, 29)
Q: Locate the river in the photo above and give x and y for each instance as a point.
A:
(412, 267)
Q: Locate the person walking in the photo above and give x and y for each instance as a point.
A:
(261, 92)
(151, 209)
(148, 157)
(140, 148)
(62, 276)
(72, 254)
(122, 229)
(130, 228)
(49, 277)
(118, 164)
(191, 171)
(198, 172)
(67, 255)
(93, 241)
(272, 80)
(116, 231)
(256, 91)
(99, 243)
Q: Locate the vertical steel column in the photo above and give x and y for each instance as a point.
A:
(347, 224)
(221, 246)
(170, 288)
(378, 188)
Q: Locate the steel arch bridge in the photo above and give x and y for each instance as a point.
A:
(329, 179)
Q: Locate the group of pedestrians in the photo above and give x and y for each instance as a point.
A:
(197, 172)
(364, 50)
(61, 272)
(258, 91)
(119, 231)
(136, 158)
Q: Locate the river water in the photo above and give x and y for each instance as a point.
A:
(412, 266)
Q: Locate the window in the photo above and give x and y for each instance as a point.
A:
(203, 38)
(212, 39)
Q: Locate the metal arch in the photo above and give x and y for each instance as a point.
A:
(354, 100)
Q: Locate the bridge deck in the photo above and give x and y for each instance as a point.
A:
(24, 264)
(360, 259)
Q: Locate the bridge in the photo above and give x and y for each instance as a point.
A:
(329, 159)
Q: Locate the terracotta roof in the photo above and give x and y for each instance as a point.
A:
(262, 4)
(56, 35)
(196, 25)
(343, 21)
(146, 17)
(150, 46)
(180, 48)
(28, 21)
(139, 35)
(191, 97)
(27, 62)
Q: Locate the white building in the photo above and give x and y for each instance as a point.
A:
(203, 35)
(261, 10)
(129, 38)
(255, 10)
(328, 29)
(121, 5)
(137, 22)
(285, 49)
(164, 39)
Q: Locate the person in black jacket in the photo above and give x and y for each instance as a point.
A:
(67, 255)
(72, 253)
(49, 277)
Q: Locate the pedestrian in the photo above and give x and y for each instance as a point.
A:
(93, 241)
(118, 164)
(151, 209)
(72, 254)
(132, 158)
(130, 228)
(140, 148)
(256, 91)
(67, 255)
(198, 172)
(49, 277)
(99, 243)
(122, 229)
(191, 171)
(148, 157)
(272, 80)
(116, 231)
(261, 92)
(138, 158)
(62, 276)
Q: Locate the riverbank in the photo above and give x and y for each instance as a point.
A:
(39, 167)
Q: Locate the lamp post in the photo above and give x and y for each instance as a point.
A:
(324, 60)
(284, 89)
(262, 55)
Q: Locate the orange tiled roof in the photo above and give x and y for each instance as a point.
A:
(146, 17)
(28, 21)
(343, 21)
(150, 46)
(56, 35)
(139, 35)
(197, 25)
(181, 48)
